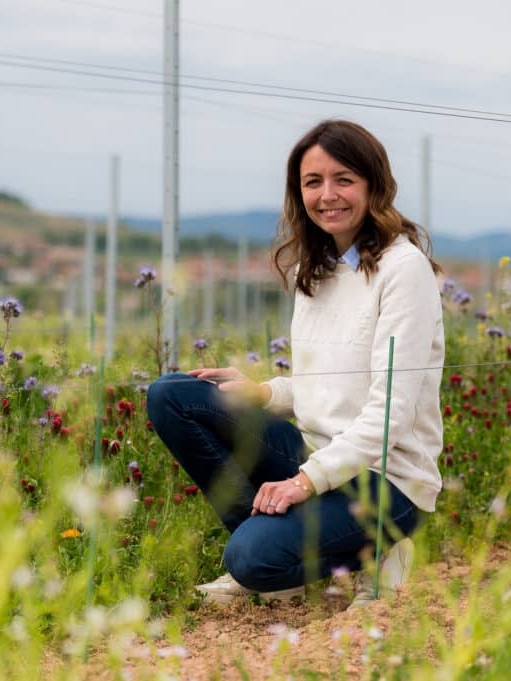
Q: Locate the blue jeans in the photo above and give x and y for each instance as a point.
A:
(229, 451)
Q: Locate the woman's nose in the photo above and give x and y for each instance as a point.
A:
(329, 191)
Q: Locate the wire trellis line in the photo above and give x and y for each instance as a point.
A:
(143, 383)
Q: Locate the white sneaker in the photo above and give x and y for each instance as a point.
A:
(225, 588)
(395, 570)
(222, 590)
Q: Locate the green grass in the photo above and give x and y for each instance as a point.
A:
(91, 549)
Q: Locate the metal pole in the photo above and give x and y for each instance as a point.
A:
(242, 285)
(208, 294)
(89, 268)
(111, 260)
(426, 183)
(170, 226)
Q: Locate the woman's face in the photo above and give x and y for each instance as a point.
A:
(335, 198)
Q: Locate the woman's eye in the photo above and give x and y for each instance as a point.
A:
(312, 183)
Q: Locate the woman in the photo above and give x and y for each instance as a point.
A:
(299, 499)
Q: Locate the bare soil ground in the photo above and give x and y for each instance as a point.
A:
(235, 643)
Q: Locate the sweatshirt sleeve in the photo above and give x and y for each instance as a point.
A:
(281, 399)
(409, 310)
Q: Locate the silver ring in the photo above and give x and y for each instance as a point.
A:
(271, 505)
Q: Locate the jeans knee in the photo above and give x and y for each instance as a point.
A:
(239, 560)
(153, 400)
(158, 395)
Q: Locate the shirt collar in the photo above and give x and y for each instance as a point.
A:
(351, 257)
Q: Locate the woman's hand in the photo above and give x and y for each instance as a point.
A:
(232, 381)
(277, 497)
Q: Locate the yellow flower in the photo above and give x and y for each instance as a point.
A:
(505, 260)
(69, 534)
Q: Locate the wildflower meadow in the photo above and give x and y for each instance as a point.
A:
(103, 536)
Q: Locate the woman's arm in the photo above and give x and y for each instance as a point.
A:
(409, 310)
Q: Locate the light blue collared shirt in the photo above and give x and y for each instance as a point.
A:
(351, 258)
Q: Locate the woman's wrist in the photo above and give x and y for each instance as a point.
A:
(302, 481)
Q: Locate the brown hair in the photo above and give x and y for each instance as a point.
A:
(301, 242)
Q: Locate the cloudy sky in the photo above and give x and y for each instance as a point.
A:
(81, 81)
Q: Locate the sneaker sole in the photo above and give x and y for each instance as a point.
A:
(285, 595)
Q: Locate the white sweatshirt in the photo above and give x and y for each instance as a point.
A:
(337, 392)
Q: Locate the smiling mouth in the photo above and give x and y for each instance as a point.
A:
(332, 212)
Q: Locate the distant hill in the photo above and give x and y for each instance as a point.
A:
(260, 226)
(256, 226)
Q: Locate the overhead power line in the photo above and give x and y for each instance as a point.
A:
(251, 84)
(111, 8)
(286, 93)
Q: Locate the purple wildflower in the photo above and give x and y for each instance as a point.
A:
(495, 332)
(2, 357)
(278, 344)
(481, 315)
(86, 369)
(30, 383)
(146, 275)
(282, 363)
(253, 357)
(50, 392)
(17, 355)
(43, 421)
(200, 344)
(11, 307)
(462, 297)
(448, 286)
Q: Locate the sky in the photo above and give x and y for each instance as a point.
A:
(81, 82)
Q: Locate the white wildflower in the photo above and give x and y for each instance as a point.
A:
(178, 652)
(17, 629)
(156, 628)
(96, 620)
(375, 633)
(130, 612)
(84, 501)
(498, 507)
(484, 661)
(140, 651)
(453, 485)
(22, 577)
(119, 503)
(52, 588)
(395, 660)
(127, 675)
(283, 634)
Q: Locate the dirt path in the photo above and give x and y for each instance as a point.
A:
(236, 643)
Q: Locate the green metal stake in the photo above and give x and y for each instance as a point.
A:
(379, 533)
(96, 466)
